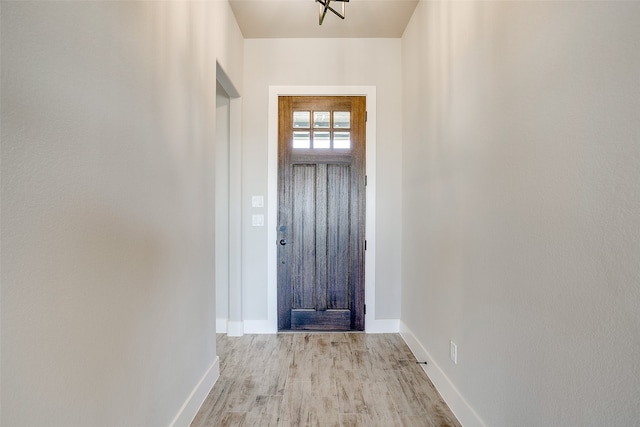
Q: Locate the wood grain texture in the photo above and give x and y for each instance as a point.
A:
(321, 219)
(338, 235)
(322, 256)
(285, 123)
(321, 379)
(327, 320)
(303, 246)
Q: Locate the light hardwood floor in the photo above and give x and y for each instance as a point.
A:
(321, 379)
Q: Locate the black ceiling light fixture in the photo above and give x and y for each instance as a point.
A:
(324, 6)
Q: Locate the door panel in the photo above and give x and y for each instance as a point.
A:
(303, 264)
(338, 235)
(321, 213)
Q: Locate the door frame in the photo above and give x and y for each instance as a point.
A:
(270, 325)
(222, 207)
(232, 324)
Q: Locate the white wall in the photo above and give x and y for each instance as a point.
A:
(108, 123)
(521, 194)
(314, 62)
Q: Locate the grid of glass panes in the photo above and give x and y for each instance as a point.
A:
(322, 130)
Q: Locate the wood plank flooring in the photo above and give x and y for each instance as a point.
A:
(321, 379)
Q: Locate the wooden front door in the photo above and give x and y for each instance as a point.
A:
(321, 212)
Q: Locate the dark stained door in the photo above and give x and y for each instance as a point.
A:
(321, 213)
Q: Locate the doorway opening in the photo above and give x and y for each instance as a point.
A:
(270, 324)
(321, 212)
(228, 178)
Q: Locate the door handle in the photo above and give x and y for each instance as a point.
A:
(283, 242)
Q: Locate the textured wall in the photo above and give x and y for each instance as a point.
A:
(521, 201)
(108, 118)
(331, 62)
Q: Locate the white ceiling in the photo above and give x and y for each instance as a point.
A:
(299, 18)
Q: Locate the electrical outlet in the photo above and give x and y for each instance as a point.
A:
(453, 352)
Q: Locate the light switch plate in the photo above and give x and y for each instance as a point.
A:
(257, 201)
(257, 220)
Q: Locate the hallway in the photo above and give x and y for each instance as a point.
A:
(321, 379)
(139, 212)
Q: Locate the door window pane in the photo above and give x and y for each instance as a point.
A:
(342, 140)
(321, 119)
(342, 119)
(301, 119)
(321, 140)
(301, 139)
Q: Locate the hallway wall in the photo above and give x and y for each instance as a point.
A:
(521, 193)
(108, 120)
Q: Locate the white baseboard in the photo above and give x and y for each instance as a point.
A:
(235, 328)
(221, 326)
(192, 405)
(458, 405)
(382, 326)
(260, 327)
